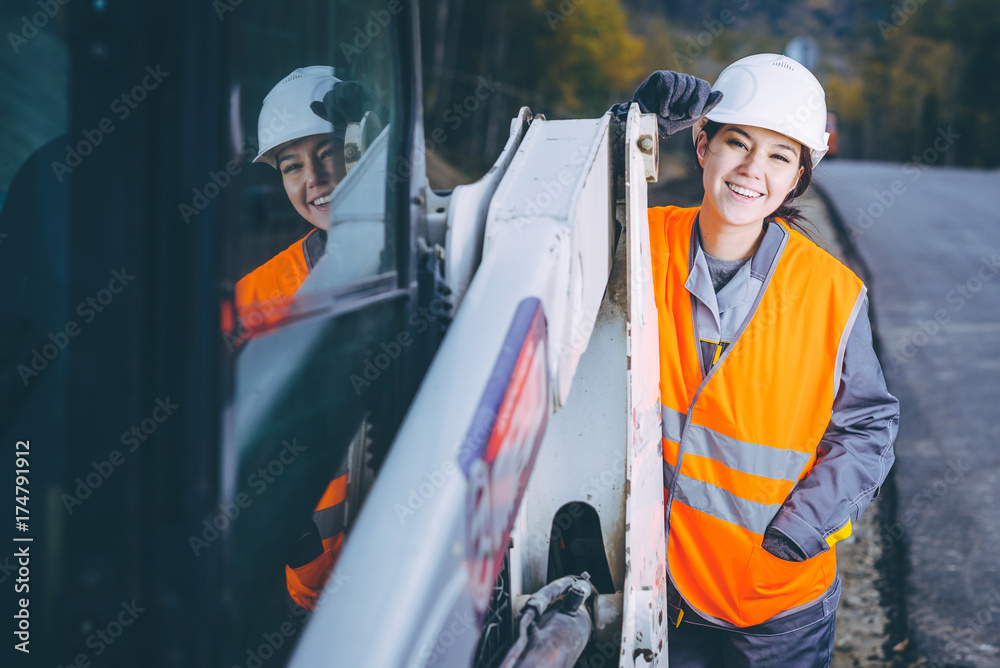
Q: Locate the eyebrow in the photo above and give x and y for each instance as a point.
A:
(747, 135)
(292, 156)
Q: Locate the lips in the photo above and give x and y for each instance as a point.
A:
(744, 192)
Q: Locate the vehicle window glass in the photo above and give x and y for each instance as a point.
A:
(313, 112)
(33, 117)
(36, 154)
(313, 94)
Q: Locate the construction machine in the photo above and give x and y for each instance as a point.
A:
(483, 361)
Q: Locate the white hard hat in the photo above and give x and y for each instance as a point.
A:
(775, 93)
(286, 114)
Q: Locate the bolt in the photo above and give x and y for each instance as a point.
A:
(646, 144)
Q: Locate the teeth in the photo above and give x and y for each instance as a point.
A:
(321, 201)
(739, 190)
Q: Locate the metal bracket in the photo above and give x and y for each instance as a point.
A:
(649, 146)
(358, 137)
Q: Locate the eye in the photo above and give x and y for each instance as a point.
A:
(327, 153)
(291, 167)
(736, 143)
(780, 157)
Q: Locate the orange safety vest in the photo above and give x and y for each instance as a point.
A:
(736, 442)
(305, 583)
(263, 295)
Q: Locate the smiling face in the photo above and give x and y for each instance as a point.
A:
(748, 172)
(311, 168)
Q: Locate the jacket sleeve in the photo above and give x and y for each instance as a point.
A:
(853, 457)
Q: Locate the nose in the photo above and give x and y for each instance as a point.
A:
(753, 165)
(317, 173)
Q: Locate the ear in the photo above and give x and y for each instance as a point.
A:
(795, 183)
(701, 148)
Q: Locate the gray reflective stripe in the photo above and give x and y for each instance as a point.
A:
(313, 247)
(724, 505)
(842, 346)
(668, 475)
(671, 423)
(761, 460)
(329, 521)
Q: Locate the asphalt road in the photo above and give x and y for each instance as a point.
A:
(929, 239)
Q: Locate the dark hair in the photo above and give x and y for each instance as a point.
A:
(788, 213)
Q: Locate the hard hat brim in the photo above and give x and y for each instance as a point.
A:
(267, 153)
(817, 151)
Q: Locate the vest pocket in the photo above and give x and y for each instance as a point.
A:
(772, 585)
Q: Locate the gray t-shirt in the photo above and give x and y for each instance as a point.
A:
(722, 270)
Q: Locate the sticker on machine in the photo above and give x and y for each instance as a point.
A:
(499, 450)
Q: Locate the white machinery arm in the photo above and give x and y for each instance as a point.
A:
(495, 411)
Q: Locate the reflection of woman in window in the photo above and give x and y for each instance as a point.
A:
(301, 132)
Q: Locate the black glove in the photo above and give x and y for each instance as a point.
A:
(346, 103)
(678, 100)
(781, 546)
(307, 548)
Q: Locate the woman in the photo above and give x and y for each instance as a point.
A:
(301, 131)
(304, 149)
(777, 425)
